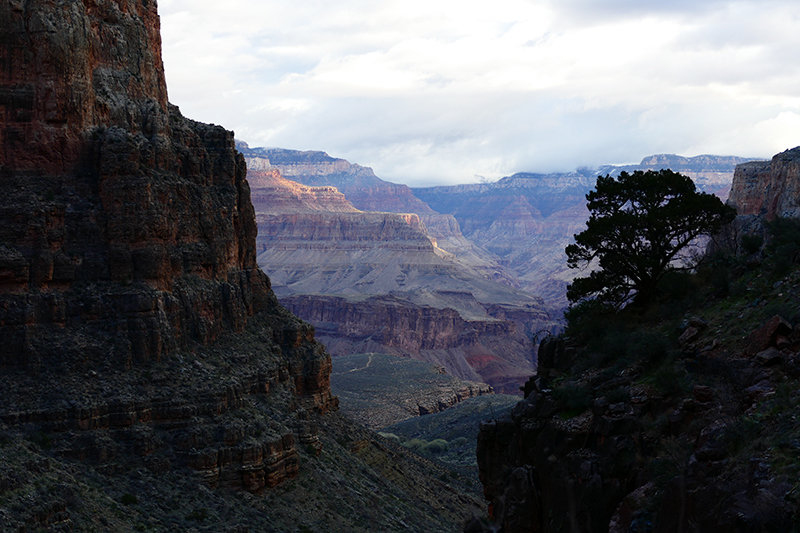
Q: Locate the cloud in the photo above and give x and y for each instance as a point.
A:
(437, 91)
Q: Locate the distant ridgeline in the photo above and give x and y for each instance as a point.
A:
(514, 230)
(376, 270)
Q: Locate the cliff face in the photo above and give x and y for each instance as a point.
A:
(768, 188)
(272, 193)
(128, 250)
(493, 347)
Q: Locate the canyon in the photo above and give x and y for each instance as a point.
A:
(150, 378)
(381, 282)
(383, 266)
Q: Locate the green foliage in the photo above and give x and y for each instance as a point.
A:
(575, 399)
(751, 243)
(459, 441)
(390, 436)
(415, 444)
(639, 226)
(784, 243)
(435, 447)
(129, 499)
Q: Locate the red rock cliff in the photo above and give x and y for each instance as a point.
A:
(127, 247)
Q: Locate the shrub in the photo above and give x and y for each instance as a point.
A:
(751, 243)
(128, 499)
(460, 441)
(415, 444)
(573, 398)
(435, 447)
(390, 436)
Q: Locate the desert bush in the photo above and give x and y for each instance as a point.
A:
(436, 446)
(460, 441)
(390, 436)
(751, 243)
(415, 444)
(573, 398)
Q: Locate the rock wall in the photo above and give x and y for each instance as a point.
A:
(768, 189)
(313, 243)
(128, 249)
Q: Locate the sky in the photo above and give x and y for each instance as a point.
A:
(432, 92)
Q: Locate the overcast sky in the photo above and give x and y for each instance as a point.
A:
(443, 91)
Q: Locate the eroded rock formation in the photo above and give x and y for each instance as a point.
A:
(768, 189)
(377, 281)
(129, 289)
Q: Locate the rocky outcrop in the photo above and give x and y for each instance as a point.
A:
(272, 193)
(128, 251)
(378, 390)
(369, 193)
(768, 189)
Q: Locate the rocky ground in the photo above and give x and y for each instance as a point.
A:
(685, 418)
(378, 390)
(357, 481)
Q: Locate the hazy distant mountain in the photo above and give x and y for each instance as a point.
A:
(519, 225)
(527, 220)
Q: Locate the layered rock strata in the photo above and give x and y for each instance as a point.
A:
(377, 281)
(378, 390)
(768, 189)
(493, 349)
(128, 245)
(368, 193)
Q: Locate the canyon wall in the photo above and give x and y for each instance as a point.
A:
(129, 288)
(379, 282)
(768, 189)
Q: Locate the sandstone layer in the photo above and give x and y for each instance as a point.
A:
(128, 252)
(367, 192)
